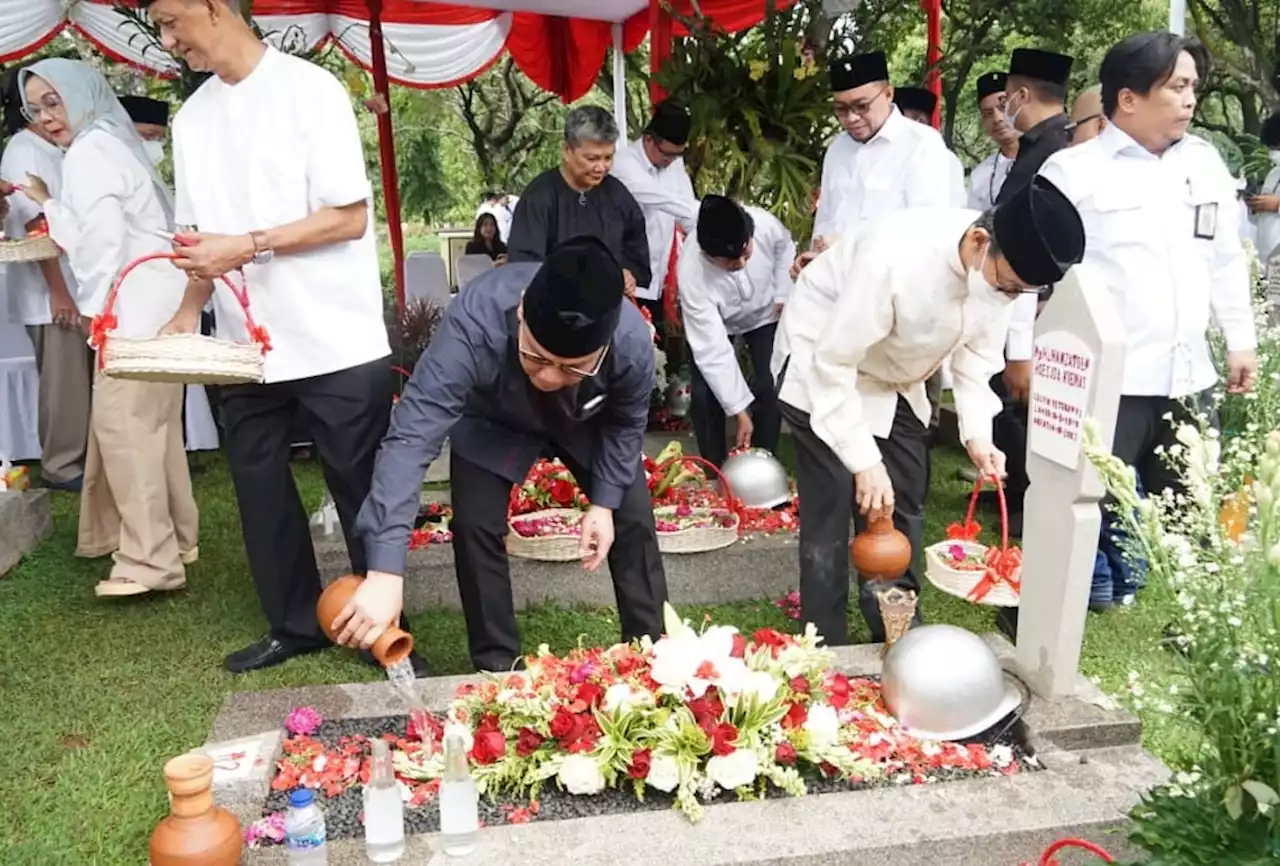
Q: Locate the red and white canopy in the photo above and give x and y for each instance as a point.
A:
(560, 44)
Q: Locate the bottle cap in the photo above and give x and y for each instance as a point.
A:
(301, 798)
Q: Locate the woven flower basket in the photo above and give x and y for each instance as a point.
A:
(31, 249)
(999, 584)
(560, 547)
(189, 359)
(696, 539)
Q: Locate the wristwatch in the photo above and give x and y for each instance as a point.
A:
(262, 252)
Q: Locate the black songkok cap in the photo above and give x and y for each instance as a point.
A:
(992, 82)
(144, 110)
(571, 306)
(724, 227)
(670, 122)
(1039, 232)
(915, 99)
(1041, 65)
(855, 71)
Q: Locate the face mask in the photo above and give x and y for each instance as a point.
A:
(154, 151)
(1011, 118)
(977, 282)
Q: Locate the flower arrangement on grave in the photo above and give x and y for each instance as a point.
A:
(694, 714)
(1219, 686)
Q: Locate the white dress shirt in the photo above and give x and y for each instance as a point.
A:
(904, 165)
(1166, 273)
(322, 307)
(27, 294)
(666, 197)
(718, 304)
(106, 217)
(877, 315)
(1267, 239)
(986, 180)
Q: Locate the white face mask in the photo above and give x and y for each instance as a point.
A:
(977, 281)
(1011, 117)
(154, 151)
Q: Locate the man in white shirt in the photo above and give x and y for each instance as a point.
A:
(881, 162)
(151, 119)
(652, 168)
(288, 204)
(1159, 208)
(868, 323)
(734, 279)
(41, 296)
(989, 175)
(1087, 119)
(1265, 205)
(919, 105)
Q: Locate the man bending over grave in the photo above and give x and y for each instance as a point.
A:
(852, 355)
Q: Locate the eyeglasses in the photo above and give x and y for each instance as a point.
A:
(859, 108)
(50, 102)
(543, 361)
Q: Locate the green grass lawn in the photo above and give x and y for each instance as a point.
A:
(95, 695)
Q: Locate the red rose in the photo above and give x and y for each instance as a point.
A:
(562, 491)
(785, 754)
(722, 737)
(565, 726)
(795, 717)
(838, 691)
(739, 647)
(528, 742)
(490, 745)
(639, 768)
(590, 694)
(707, 710)
(773, 639)
(800, 686)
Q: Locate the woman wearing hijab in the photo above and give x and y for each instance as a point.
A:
(136, 503)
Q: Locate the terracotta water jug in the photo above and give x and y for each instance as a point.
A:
(196, 833)
(393, 646)
(881, 552)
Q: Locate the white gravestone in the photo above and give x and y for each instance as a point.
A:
(1076, 372)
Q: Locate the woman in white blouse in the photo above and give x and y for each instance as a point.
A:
(136, 503)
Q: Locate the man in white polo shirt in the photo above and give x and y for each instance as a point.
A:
(270, 178)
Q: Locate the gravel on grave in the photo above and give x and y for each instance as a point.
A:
(343, 813)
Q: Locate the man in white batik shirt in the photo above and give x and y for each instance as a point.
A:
(867, 324)
(652, 169)
(734, 279)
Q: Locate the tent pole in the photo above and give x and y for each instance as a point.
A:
(933, 54)
(619, 83)
(659, 47)
(387, 147)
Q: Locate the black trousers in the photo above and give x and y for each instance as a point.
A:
(708, 415)
(1009, 434)
(826, 506)
(1141, 428)
(348, 412)
(484, 575)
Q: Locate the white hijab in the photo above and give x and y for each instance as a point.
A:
(91, 104)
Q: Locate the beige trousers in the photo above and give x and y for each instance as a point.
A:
(65, 364)
(137, 503)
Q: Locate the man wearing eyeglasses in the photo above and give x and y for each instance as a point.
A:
(881, 162)
(531, 357)
(1087, 119)
(868, 323)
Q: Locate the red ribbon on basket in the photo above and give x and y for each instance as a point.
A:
(1004, 563)
(106, 322)
(1047, 858)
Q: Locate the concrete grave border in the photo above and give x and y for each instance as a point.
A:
(1095, 769)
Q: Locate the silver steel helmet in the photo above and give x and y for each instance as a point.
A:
(757, 479)
(679, 397)
(945, 683)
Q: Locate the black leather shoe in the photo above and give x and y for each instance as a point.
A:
(420, 670)
(268, 652)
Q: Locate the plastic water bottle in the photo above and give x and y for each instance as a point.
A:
(304, 832)
(383, 809)
(459, 800)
